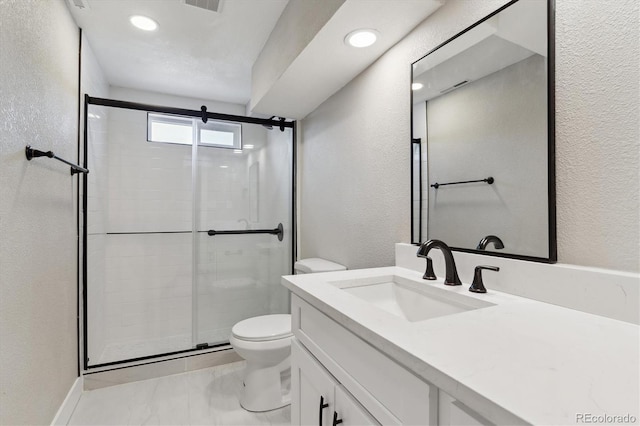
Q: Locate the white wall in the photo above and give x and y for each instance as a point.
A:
(495, 126)
(355, 155)
(38, 239)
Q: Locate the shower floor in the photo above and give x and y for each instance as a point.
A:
(203, 397)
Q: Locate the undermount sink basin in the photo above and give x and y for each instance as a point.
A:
(409, 299)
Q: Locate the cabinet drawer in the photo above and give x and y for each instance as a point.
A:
(388, 391)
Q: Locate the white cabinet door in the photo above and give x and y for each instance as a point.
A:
(349, 412)
(316, 396)
(312, 389)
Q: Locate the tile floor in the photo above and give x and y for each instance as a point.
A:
(202, 397)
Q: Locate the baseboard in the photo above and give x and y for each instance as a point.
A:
(69, 404)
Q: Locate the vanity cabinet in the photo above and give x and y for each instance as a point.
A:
(318, 398)
(334, 372)
(454, 413)
(358, 382)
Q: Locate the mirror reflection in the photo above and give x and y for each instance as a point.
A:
(480, 112)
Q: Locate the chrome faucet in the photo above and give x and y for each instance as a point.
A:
(451, 274)
(246, 223)
(497, 242)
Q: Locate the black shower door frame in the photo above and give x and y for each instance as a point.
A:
(205, 115)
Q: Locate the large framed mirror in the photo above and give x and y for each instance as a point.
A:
(482, 148)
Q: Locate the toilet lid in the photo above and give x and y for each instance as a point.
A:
(266, 327)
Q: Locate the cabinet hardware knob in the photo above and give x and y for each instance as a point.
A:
(323, 405)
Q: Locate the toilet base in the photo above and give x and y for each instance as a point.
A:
(263, 388)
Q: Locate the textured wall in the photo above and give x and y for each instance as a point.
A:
(597, 98)
(355, 156)
(38, 106)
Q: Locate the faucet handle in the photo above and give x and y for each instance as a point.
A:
(429, 274)
(477, 286)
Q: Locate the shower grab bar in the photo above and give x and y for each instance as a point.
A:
(34, 153)
(489, 180)
(279, 231)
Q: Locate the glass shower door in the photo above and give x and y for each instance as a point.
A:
(244, 189)
(139, 239)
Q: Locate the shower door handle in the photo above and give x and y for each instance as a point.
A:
(279, 232)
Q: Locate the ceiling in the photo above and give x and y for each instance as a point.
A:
(203, 54)
(511, 36)
(482, 59)
(327, 63)
(194, 53)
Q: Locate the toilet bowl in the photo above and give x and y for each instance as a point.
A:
(265, 343)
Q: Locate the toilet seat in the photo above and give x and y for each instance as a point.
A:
(263, 328)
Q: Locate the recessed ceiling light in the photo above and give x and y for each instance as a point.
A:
(144, 23)
(237, 151)
(417, 86)
(248, 146)
(361, 38)
(224, 167)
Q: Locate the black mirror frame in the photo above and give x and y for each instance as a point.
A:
(551, 142)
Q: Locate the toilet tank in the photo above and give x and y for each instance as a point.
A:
(315, 264)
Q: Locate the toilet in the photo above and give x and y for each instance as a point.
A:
(265, 343)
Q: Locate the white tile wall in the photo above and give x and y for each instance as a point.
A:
(97, 207)
(147, 294)
(149, 183)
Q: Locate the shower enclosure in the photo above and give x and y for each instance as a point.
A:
(188, 227)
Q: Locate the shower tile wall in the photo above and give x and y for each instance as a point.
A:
(95, 84)
(96, 229)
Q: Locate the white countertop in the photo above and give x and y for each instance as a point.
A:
(520, 360)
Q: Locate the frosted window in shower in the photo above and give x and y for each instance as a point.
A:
(182, 130)
(167, 129)
(219, 134)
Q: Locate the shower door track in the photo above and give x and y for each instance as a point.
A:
(186, 352)
(204, 115)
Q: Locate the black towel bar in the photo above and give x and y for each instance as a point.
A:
(34, 153)
(437, 185)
